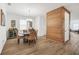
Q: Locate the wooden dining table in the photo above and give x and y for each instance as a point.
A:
(23, 36)
(25, 40)
(27, 36)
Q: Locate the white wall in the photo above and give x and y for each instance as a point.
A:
(40, 25)
(3, 28)
(2, 37)
(13, 17)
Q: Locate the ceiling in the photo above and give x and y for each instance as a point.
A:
(35, 9)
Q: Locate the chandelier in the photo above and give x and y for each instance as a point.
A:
(28, 14)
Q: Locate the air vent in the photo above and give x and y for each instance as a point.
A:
(9, 4)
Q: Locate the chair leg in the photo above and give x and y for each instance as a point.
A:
(18, 41)
(24, 40)
(29, 42)
(35, 41)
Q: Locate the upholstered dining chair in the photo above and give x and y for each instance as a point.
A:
(32, 36)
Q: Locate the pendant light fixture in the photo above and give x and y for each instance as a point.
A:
(28, 15)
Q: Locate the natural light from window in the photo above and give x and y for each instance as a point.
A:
(76, 26)
(24, 24)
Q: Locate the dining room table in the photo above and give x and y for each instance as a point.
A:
(23, 35)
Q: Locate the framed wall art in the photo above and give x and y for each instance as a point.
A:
(2, 18)
(13, 23)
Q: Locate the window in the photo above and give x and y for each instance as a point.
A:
(23, 24)
(76, 26)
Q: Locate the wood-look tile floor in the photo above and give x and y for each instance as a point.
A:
(43, 46)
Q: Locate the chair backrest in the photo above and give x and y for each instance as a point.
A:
(32, 34)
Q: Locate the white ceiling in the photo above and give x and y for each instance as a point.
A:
(41, 8)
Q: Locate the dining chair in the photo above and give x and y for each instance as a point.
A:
(32, 37)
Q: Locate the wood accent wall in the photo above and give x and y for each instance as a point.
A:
(55, 24)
